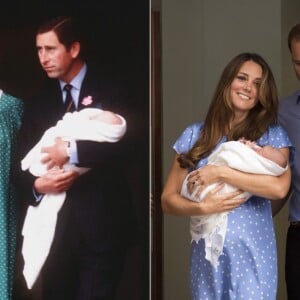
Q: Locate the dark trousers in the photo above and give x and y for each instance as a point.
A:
(292, 262)
(96, 279)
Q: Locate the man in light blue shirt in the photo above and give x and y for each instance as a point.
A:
(289, 118)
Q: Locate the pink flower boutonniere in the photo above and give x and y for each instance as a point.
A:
(87, 101)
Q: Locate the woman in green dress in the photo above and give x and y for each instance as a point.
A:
(11, 110)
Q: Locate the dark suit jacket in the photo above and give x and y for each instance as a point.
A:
(97, 214)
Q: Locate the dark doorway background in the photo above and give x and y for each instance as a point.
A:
(118, 33)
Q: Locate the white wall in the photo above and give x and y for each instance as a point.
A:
(199, 37)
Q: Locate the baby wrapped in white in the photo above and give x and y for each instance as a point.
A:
(40, 221)
(212, 228)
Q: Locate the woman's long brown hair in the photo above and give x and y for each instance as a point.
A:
(220, 112)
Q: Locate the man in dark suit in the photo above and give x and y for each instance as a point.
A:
(95, 224)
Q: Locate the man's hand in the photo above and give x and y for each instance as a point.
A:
(56, 154)
(55, 181)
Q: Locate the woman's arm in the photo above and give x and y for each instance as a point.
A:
(267, 186)
(279, 204)
(174, 203)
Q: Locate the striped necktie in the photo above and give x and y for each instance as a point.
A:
(69, 103)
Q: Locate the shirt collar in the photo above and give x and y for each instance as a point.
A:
(76, 82)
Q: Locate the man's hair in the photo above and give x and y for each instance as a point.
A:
(294, 34)
(66, 29)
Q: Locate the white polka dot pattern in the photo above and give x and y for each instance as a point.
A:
(248, 264)
(10, 118)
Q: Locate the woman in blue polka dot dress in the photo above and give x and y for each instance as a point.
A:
(11, 110)
(244, 106)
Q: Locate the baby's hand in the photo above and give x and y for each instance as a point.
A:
(248, 143)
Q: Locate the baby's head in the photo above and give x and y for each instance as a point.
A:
(106, 117)
(272, 154)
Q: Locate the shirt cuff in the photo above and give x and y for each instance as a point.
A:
(73, 153)
(38, 197)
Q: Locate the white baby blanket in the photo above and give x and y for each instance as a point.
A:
(212, 228)
(40, 221)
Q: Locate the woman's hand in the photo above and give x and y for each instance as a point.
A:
(202, 177)
(215, 202)
(174, 203)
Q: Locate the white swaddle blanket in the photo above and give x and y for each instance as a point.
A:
(40, 221)
(212, 228)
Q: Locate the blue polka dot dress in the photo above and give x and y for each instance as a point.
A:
(10, 120)
(248, 264)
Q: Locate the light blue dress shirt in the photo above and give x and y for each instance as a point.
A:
(289, 118)
(76, 83)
